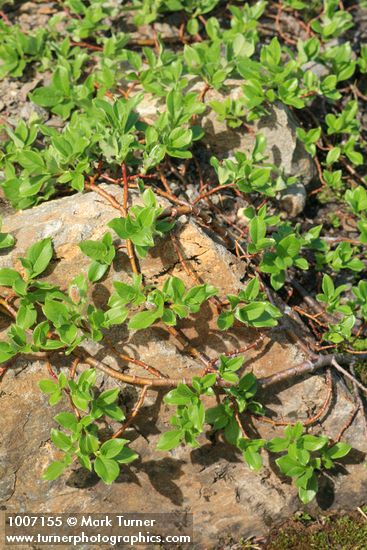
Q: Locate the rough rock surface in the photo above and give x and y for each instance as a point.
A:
(226, 498)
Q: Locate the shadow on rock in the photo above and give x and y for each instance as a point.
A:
(82, 479)
(209, 454)
(162, 474)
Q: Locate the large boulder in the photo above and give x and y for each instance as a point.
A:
(228, 500)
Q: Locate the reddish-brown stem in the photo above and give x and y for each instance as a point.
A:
(238, 419)
(180, 336)
(355, 352)
(203, 92)
(212, 192)
(239, 351)
(134, 361)
(108, 178)
(5, 18)
(311, 420)
(3, 371)
(128, 378)
(50, 371)
(133, 414)
(202, 19)
(103, 193)
(165, 183)
(181, 32)
(311, 93)
(8, 308)
(319, 171)
(88, 46)
(177, 211)
(129, 244)
(347, 423)
(278, 27)
(142, 176)
(126, 187)
(186, 267)
(313, 317)
(115, 203)
(74, 366)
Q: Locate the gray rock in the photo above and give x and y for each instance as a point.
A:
(293, 199)
(30, 109)
(319, 69)
(278, 126)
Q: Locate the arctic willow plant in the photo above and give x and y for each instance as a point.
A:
(79, 437)
(100, 78)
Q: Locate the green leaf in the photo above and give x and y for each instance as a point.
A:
(107, 397)
(8, 276)
(230, 364)
(250, 312)
(225, 320)
(61, 440)
(80, 401)
(333, 155)
(88, 443)
(106, 468)
(67, 420)
(85, 461)
(168, 317)
(257, 229)
(232, 431)
(169, 440)
(113, 411)
(48, 386)
(6, 352)
(338, 450)
(46, 96)
(248, 383)
(56, 312)
(96, 271)
(143, 319)
(277, 444)
(253, 459)
(289, 466)
(182, 395)
(113, 447)
(38, 257)
(54, 470)
(6, 240)
(313, 442)
(32, 161)
(96, 250)
(328, 285)
(26, 316)
(126, 456)
(308, 492)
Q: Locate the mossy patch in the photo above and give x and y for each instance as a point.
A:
(348, 532)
